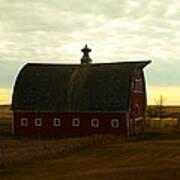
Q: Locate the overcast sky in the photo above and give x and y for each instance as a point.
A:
(56, 30)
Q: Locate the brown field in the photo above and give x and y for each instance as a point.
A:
(5, 112)
(153, 155)
(172, 109)
(5, 119)
(168, 109)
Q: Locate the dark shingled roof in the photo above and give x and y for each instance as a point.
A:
(74, 88)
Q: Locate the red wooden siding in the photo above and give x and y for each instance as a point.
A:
(137, 104)
(66, 128)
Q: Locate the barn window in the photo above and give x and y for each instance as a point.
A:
(57, 122)
(95, 123)
(76, 122)
(24, 122)
(38, 122)
(115, 123)
(138, 86)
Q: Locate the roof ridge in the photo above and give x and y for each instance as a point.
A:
(93, 64)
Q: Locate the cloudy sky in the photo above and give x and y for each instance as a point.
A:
(56, 30)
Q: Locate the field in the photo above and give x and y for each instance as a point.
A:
(5, 117)
(153, 155)
(172, 109)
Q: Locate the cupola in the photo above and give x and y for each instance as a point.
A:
(86, 59)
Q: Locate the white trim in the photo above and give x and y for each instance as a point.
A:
(136, 91)
(24, 122)
(139, 119)
(131, 123)
(75, 122)
(127, 123)
(12, 125)
(132, 83)
(117, 123)
(137, 80)
(95, 125)
(55, 120)
(38, 122)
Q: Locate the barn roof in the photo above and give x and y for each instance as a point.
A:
(74, 88)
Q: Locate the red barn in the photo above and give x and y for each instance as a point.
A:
(80, 100)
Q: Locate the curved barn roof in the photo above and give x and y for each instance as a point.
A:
(74, 88)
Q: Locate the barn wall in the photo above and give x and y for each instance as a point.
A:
(66, 128)
(137, 105)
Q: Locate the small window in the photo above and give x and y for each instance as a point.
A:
(38, 122)
(138, 85)
(115, 123)
(137, 109)
(95, 123)
(24, 122)
(57, 122)
(76, 122)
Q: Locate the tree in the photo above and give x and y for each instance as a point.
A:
(159, 109)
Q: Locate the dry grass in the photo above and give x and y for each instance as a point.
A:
(153, 155)
(168, 109)
(18, 152)
(5, 119)
(131, 159)
(5, 112)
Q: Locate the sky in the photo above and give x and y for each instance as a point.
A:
(55, 31)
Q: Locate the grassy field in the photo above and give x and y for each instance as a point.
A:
(153, 155)
(168, 109)
(5, 119)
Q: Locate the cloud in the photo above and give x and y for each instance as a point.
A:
(8, 73)
(55, 31)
